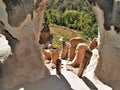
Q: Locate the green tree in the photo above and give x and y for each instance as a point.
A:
(52, 16)
(88, 25)
(71, 17)
(76, 15)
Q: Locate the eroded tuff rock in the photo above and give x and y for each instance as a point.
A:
(93, 44)
(46, 37)
(85, 62)
(64, 51)
(79, 54)
(73, 44)
(111, 12)
(108, 17)
(54, 55)
(47, 54)
(22, 26)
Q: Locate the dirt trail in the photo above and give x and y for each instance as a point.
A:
(68, 80)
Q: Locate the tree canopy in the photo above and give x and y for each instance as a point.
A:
(75, 14)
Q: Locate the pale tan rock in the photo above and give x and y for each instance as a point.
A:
(58, 67)
(107, 14)
(85, 62)
(22, 30)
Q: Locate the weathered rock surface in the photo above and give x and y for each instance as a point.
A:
(47, 54)
(54, 55)
(93, 44)
(79, 56)
(22, 30)
(108, 13)
(64, 51)
(73, 44)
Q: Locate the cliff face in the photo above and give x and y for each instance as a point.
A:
(107, 13)
(22, 25)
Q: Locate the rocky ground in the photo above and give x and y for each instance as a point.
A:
(67, 81)
(88, 82)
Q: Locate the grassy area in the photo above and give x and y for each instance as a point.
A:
(62, 32)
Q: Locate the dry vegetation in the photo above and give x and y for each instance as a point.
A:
(60, 32)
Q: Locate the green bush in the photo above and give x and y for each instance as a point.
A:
(76, 15)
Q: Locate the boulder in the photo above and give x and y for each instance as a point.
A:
(93, 44)
(73, 44)
(64, 51)
(54, 55)
(5, 49)
(80, 53)
(85, 62)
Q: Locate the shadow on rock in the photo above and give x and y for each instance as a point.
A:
(48, 83)
(89, 83)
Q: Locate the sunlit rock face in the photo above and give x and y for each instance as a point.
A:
(5, 49)
(22, 26)
(73, 44)
(93, 44)
(64, 51)
(79, 56)
(54, 55)
(47, 54)
(108, 13)
(14, 11)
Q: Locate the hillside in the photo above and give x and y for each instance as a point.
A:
(77, 15)
(62, 32)
(67, 5)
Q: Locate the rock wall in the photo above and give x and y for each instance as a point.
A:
(108, 13)
(46, 37)
(22, 22)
